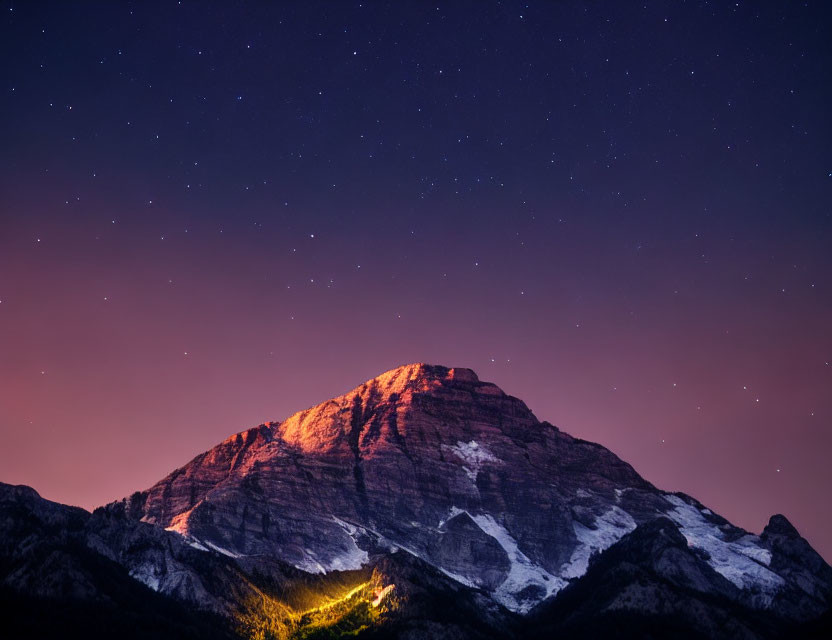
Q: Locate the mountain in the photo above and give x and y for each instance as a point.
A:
(65, 572)
(652, 583)
(58, 580)
(423, 458)
(427, 503)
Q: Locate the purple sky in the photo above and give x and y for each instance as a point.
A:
(210, 218)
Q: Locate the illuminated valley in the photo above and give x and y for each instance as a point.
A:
(356, 609)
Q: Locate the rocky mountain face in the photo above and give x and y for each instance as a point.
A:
(434, 461)
(427, 503)
(652, 583)
(58, 578)
(425, 459)
(68, 573)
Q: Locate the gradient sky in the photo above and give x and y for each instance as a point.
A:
(216, 215)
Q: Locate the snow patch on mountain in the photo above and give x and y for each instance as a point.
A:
(474, 455)
(196, 544)
(189, 539)
(309, 564)
(748, 545)
(523, 573)
(147, 576)
(353, 558)
(741, 561)
(457, 577)
(608, 528)
(222, 550)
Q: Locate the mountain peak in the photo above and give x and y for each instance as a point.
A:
(18, 491)
(421, 372)
(378, 412)
(779, 524)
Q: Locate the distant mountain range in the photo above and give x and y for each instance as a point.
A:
(423, 504)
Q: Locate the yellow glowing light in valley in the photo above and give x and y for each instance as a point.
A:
(359, 608)
(380, 593)
(334, 603)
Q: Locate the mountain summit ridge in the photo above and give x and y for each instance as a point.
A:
(308, 429)
(388, 387)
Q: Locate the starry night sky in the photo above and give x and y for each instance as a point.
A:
(213, 215)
